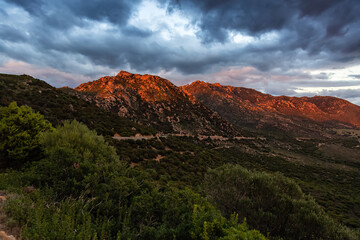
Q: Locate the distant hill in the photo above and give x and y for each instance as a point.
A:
(250, 108)
(155, 101)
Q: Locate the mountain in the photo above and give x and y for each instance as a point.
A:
(155, 101)
(325, 168)
(200, 108)
(60, 104)
(250, 108)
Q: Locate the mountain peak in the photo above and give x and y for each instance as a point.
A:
(124, 74)
(199, 83)
(155, 101)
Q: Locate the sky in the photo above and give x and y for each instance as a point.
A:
(280, 47)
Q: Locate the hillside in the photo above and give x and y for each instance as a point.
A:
(59, 104)
(155, 101)
(142, 179)
(250, 108)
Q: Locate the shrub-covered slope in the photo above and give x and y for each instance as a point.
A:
(59, 104)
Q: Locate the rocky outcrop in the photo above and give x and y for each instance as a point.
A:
(248, 107)
(4, 236)
(155, 101)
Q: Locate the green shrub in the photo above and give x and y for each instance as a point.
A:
(172, 214)
(272, 203)
(85, 192)
(68, 219)
(72, 154)
(20, 130)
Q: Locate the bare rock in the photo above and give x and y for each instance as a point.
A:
(4, 236)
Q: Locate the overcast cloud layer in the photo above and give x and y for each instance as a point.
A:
(292, 47)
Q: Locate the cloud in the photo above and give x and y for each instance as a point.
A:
(12, 34)
(53, 76)
(355, 76)
(273, 46)
(307, 25)
(63, 14)
(342, 93)
(352, 95)
(217, 18)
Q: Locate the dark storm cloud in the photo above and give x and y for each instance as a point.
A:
(355, 76)
(315, 8)
(217, 18)
(67, 12)
(133, 31)
(9, 33)
(321, 26)
(52, 39)
(116, 47)
(66, 35)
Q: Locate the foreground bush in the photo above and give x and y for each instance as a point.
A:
(20, 130)
(272, 203)
(174, 214)
(72, 155)
(83, 191)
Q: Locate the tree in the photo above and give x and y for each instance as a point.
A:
(20, 130)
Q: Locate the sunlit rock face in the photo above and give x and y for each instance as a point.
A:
(248, 107)
(155, 101)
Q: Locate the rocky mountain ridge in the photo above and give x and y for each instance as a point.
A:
(248, 107)
(155, 101)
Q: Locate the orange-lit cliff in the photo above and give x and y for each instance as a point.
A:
(155, 101)
(244, 106)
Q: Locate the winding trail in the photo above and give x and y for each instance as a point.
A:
(200, 137)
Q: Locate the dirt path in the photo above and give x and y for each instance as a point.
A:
(200, 137)
(137, 138)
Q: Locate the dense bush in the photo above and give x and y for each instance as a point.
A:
(66, 220)
(20, 130)
(272, 203)
(173, 214)
(72, 155)
(85, 192)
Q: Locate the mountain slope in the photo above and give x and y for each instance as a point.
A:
(59, 104)
(248, 107)
(155, 101)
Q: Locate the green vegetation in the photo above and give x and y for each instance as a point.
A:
(20, 130)
(74, 157)
(83, 191)
(334, 189)
(272, 203)
(60, 104)
(185, 161)
(85, 186)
